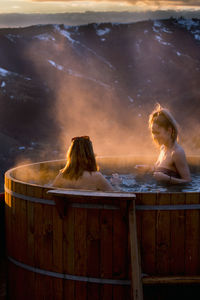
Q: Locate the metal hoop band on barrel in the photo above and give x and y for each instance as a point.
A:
(112, 207)
(68, 276)
(51, 202)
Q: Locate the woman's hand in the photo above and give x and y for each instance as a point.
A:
(159, 176)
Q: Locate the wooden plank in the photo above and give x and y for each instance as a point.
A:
(163, 237)
(47, 247)
(171, 280)
(136, 279)
(93, 253)
(80, 251)
(38, 245)
(8, 202)
(120, 253)
(139, 214)
(30, 280)
(57, 254)
(177, 251)
(13, 232)
(106, 223)
(68, 253)
(11, 282)
(21, 241)
(148, 245)
(192, 241)
(21, 212)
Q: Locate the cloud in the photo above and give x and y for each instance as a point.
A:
(136, 2)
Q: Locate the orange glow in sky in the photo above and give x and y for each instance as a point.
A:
(55, 6)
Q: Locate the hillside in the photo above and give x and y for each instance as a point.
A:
(57, 81)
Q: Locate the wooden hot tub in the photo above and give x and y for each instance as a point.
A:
(81, 250)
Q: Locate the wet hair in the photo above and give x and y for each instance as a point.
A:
(162, 117)
(80, 158)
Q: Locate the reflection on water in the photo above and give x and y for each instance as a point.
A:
(146, 183)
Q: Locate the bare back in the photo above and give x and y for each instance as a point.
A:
(88, 181)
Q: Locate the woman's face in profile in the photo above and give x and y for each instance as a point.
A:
(160, 134)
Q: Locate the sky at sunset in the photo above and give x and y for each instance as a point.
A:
(55, 6)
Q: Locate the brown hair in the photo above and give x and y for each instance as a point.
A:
(162, 117)
(80, 158)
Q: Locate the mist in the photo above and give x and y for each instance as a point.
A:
(104, 80)
(88, 100)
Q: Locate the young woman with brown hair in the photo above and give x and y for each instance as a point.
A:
(81, 170)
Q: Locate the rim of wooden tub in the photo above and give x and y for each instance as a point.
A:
(8, 173)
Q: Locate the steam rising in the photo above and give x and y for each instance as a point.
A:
(86, 103)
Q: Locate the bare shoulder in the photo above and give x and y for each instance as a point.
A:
(178, 153)
(98, 175)
(102, 183)
(95, 175)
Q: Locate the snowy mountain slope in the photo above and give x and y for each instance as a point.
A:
(118, 71)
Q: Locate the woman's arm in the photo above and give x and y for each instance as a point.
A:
(180, 162)
(170, 179)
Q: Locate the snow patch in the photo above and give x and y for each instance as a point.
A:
(178, 53)
(3, 84)
(68, 36)
(101, 32)
(160, 40)
(75, 74)
(157, 24)
(65, 33)
(130, 99)
(164, 29)
(44, 37)
(188, 23)
(59, 67)
(12, 37)
(197, 35)
(4, 72)
(155, 30)
(158, 27)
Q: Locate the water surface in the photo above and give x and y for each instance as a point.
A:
(146, 183)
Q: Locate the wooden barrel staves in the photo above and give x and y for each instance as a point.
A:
(168, 231)
(76, 249)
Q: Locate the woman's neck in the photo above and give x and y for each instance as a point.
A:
(169, 145)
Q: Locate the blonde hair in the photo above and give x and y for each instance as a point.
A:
(80, 158)
(162, 117)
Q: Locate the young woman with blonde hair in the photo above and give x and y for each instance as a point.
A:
(171, 165)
